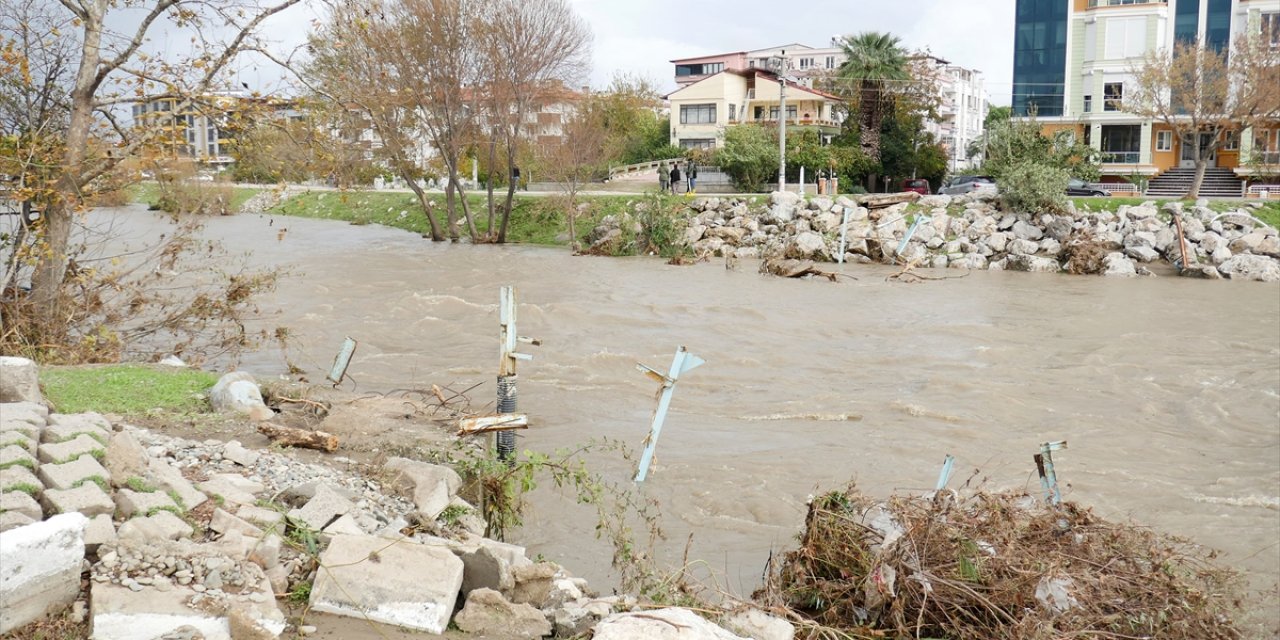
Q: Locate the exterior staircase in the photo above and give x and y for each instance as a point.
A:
(1218, 183)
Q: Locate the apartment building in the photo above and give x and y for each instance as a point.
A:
(701, 111)
(203, 129)
(960, 121)
(1074, 58)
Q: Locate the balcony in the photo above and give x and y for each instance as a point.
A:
(1122, 3)
(1121, 157)
(1266, 157)
(797, 122)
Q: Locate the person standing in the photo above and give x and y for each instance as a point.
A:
(664, 177)
(515, 177)
(675, 176)
(691, 170)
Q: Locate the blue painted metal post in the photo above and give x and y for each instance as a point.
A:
(844, 230)
(945, 475)
(340, 363)
(911, 232)
(1049, 477)
(683, 362)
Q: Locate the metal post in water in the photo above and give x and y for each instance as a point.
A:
(911, 232)
(342, 361)
(508, 356)
(844, 230)
(683, 362)
(1049, 477)
(945, 475)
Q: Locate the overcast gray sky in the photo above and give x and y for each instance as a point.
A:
(643, 35)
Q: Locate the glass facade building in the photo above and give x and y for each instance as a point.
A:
(1040, 57)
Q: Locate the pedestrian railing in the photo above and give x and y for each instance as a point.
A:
(1116, 187)
(639, 167)
(1263, 191)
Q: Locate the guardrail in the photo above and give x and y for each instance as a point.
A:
(1267, 191)
(1116, 187)
(1121, 157)
(639, 167)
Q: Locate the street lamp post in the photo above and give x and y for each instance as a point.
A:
(782, 121)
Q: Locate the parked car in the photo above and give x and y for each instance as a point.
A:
(918, 185)
(1078, 187)
(961, 185)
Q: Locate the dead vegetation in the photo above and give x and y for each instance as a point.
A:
(994, 566)
(1084, 253)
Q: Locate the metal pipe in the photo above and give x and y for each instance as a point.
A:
(507, 400)
(945, 475)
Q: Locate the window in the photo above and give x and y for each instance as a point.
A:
(831, 62)
(715, 67)
(704, 69)
(1164, 141)
(806, 63)
(1113, 95)
(1088, 104)
(1126, 37)
(697, 114)
(791, 112)
(1271, 29)
(733, 112)
(697, 143)
(1121, 144)
(1231, 141)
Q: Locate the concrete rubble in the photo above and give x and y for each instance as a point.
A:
(970, 232)
(187, 539)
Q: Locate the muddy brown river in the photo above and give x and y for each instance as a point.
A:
(1166, 389)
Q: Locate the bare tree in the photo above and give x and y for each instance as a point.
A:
(581, 154)
(528, 46)
(111, 70)
(1203, 94)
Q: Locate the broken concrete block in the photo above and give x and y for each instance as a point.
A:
(19, 380)
(344, 525)
(13, 520)
(71, 449)
(19, 438)
(364, 576)
(326, 506)
(483, 569)
(66, 426)
(430, 486)
(170, 480)
(235, 452)
(232, 487)
(660, 624)
(758, 625)
(20, 502)
(19, 478)
(487, 612)
(267, 519)
(130, 503)
(100, 530)
(125, 458)
(223, 522)
(28, 417)
(122, 614)
(42, 564)
(533, 583)
(161, 526)
(15, 456)
(237, 392)
(87, 498)
(266, 551)
(71, 474)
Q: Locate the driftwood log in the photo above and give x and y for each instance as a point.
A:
(293, 437)
(790, 268)
(882, 200)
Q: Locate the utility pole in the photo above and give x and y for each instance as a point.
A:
(782, 121)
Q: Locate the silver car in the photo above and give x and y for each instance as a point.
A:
(961, 185)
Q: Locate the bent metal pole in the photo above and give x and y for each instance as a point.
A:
(508, 356)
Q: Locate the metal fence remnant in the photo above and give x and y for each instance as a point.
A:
(508, 356)
(1049, 477)
(945, 474)
(683, 362)
(342, 361)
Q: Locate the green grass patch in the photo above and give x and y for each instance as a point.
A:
(25, 487)
(139, 485)
(98, 480)
(98, 454)
(148, 193)
(19, 462)
(127, 389)
(174, 510)
(1269, 213)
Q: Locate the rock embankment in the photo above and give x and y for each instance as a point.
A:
(971, 232)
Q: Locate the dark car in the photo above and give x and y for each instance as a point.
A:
(961, 185)
(1078, 187)
(918, 185)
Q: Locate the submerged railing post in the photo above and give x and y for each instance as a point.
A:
(683, 362)
(844, 230)
(911, 232)
(342, 361)
(1048, 476)
(945, 474)
(508, 356)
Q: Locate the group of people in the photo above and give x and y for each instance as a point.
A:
(669, 177)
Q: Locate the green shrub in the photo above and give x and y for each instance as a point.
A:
(749, 156)
(1034, 188)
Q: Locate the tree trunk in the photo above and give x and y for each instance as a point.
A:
(869, 118)
(436, 235)
(511, 193)
(466, 208)
(1201, 165)
(451, 211)
(493, 158)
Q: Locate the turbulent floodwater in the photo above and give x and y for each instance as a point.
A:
(1167, 390)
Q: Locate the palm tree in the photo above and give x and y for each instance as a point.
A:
(873, 61)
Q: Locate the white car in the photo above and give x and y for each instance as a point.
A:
(961, 185)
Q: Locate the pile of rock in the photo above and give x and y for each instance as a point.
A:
(186, 539)
(970, 232)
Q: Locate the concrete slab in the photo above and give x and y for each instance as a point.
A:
(87, 498)
(13, 415)
(130, 503)
(15, 456)
(169, 479)
(265, 518)
(65, 451)
(20, 438)
(74, 473)
(41, 568)
(322, 509)
(19, 380)
(400, 583)
(232, 487)
(19, 476)
(122, 614)
(20, 502)
(65, 426)
(101, 530)
(13, 520)
(161, 526)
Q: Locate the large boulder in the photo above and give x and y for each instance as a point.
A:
(662, 624)
(488, 613)
(806, 246)
(237, 392)
(19, 380)
(1032, 264)
(1251, 267)
(41, 572)
(1118, 265)
(431, 486)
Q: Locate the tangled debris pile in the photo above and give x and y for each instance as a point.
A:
(995, 566)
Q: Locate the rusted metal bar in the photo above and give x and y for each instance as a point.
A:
(682, 363)
(342, 361)
(1182, 242)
